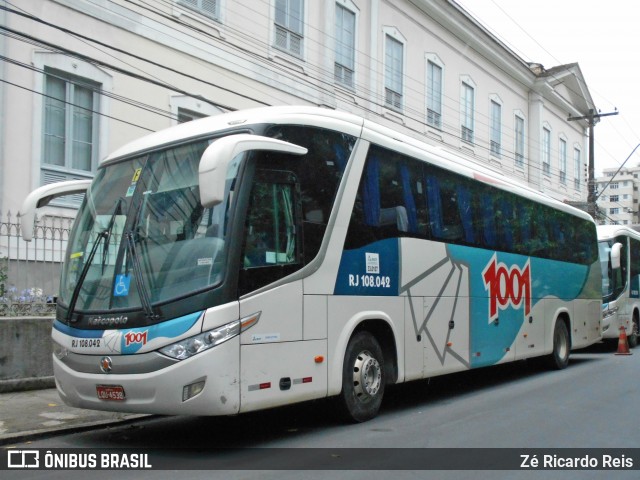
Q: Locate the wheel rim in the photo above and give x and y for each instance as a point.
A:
(562, 344)
(367, 376)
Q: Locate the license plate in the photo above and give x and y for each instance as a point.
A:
(110, 392)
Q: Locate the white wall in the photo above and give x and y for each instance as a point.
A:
(234, 64)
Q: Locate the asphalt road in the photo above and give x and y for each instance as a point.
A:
(520, 406)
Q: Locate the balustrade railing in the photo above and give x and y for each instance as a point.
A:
(30, 271)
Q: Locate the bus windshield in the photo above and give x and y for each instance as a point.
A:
(142, 234)
(613, 280)
(604, 250)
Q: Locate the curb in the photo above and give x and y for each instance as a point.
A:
(25, 384)
(20, 437)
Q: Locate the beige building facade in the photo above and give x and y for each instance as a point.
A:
(83, 77)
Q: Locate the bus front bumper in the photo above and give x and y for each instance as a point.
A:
(205, 384)
(611, 325)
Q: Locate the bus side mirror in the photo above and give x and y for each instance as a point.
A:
(615, 255)
(41, 197)
(216, 159)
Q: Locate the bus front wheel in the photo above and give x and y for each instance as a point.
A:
(633, 336)
(559, 358)
(363, 378)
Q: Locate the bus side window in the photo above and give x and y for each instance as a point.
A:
(388, 206)
(488, 220)
(540, 241)
(318, 174)
(559, 237)
(505, 221)
(434, 207)
(272, 242)
(524, 220)
(390, 200)
(409, 179)
(586, 252)
(444, 209)
(271, 230)
(466, 211)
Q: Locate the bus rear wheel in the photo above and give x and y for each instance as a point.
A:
(363, 378)
(559, 358)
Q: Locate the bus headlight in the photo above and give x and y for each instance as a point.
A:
(609, 312)
(59, 351)
(188, 347)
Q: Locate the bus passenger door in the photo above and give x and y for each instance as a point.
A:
(272, 240)
(276, 366)
(620, 283)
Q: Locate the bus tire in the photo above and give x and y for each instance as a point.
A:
(363, 378)
(632, 339)
(559, 357)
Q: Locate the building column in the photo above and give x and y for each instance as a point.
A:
(534, 144)
(373, 57)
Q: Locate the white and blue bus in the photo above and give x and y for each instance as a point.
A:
(619, 250)
(277, 255)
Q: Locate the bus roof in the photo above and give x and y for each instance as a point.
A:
(607, 232)
(232, 120)
(348, 123)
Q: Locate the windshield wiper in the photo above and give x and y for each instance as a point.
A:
(85, 269)
(143, 292)
(105, 251)
(104, 235)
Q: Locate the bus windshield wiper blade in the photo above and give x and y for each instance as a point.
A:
(85, 269)
(137, 271)
(112, 221)
(106, 236)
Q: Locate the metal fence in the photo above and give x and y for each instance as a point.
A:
(30, 271)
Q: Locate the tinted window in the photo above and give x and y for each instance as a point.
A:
(290, 203)
(400, 196)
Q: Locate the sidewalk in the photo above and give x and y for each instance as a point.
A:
(33, 413)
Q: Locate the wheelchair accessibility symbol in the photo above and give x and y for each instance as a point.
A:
(121, 288)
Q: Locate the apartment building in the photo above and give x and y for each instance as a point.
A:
(617, 191)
